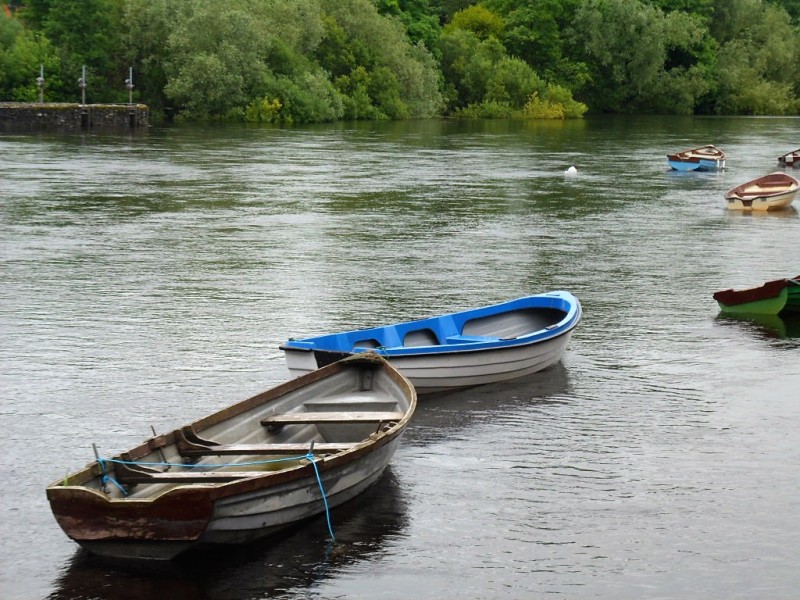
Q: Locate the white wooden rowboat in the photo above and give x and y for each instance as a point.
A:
(463, 349)
(245, 472)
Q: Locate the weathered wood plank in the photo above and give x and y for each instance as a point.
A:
(332, 417)
(266, 449)
(130, 476)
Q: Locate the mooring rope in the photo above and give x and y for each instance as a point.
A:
(105, 478)
(310, 457)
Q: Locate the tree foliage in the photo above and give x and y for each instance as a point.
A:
(22, 54)
(290, 61)
(759, 68)
(643, 59)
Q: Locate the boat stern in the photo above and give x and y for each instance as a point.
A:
(154, 529)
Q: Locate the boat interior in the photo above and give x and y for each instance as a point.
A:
(330, 416)
(447, 330)
(760, 190)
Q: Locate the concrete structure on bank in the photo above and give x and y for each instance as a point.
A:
(22, 117)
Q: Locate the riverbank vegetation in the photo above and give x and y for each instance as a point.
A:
(286, 61)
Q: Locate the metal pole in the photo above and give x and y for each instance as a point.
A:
(129, 85)
(131, 111)
(40, 83)
(82, 85)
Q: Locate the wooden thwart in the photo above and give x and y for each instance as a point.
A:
(332, 417)
(132, 474)
(190, 443)
(265, 449)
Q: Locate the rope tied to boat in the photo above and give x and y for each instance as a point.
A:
(310, 458)
(105, 477)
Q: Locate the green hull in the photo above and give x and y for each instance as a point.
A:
(793, 300)
(765, 306)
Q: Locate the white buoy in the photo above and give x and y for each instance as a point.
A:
(571, 171)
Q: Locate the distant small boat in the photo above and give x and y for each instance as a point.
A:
(245, 472)
(704, 158)
(774, 297)
(770, 192)
(790, 159)
(458, 350)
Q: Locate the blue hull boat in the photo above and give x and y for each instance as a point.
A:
(457, 350)
(705, 158)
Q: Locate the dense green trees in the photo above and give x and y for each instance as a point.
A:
(641, 58)
(483, 80)
(323, 60)
(759, 60)
(22, 54)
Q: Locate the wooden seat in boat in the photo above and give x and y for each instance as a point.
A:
(132, 474)
(189, 443)
(264, 449)
(299, 418)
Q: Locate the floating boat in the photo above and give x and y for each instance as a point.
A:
(770, 192)
(704, 158)
(774, 297)
(790, 159)
(245, 472)
(463, 349)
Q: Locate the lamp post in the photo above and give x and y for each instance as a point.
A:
(129, 85)
(40, 83)
(131, 109)
(82, 85)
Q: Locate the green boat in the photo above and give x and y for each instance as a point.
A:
(780, 296)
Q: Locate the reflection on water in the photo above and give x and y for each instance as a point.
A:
(441, 416)
(302, 558)
(770, 326)
(789, 212)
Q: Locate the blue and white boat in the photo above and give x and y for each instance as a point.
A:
(705, 158)
(458, 350)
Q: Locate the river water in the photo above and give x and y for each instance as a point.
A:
(148, 280)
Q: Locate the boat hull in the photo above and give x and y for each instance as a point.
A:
(763, 306)
(246, 472)
(762, 203)
(774, 297)
(431, 373)
(249, 517)
(698, 165)
(494, 348)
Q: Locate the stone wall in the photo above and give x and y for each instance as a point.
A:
(19, 117)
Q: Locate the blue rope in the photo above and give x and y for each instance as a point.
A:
(310, 457)
(106, 477)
